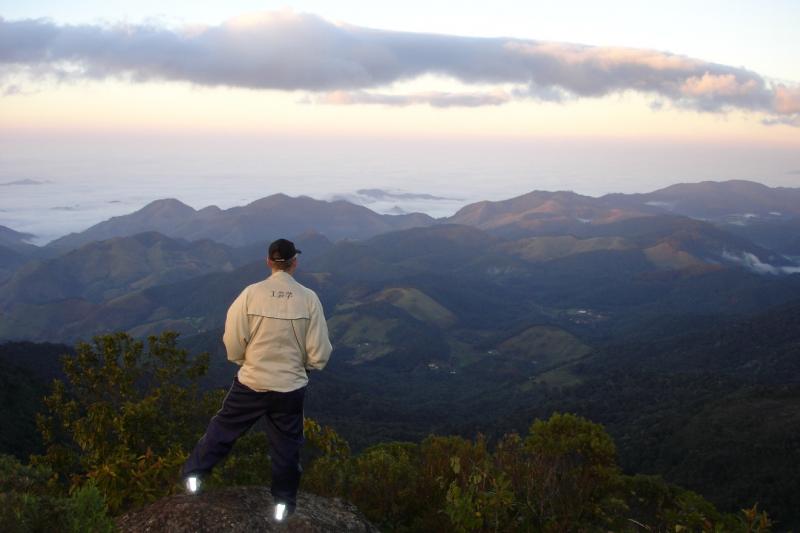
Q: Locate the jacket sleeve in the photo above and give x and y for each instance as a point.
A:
(237, 329)
(318, 345)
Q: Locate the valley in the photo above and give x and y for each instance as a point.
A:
(623, 309)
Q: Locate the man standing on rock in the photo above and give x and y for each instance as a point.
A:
(276, 331)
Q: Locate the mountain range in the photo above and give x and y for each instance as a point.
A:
(733, 205)
(239, 226)
(555, 241)
(656, 314)
(103, 270)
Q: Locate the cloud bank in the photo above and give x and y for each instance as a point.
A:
(344, 64)
(754, 264)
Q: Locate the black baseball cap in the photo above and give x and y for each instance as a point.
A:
(282, 250)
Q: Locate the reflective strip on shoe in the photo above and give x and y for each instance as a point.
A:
(192, 484)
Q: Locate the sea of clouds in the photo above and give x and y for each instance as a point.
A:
(51, 187)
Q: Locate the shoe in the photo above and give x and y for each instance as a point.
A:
(192, 484)
(283, 511)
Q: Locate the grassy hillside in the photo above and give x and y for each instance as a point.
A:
(419, 305)
(544, 347)
(366, 336)
(540, 249)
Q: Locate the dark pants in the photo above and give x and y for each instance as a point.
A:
(242, 407)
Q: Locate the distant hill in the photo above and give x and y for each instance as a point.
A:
(715, 200)
(542, 348)
(310, 243)
(779, 234)
(145, 283)
(10, 261)
(103, 270)
(735, 205)
(673, 241)
(15, 240)
(668, 242)
(538, 213)
(442, 274)
(14, 251)
(543, 213)
(540, 249)
(267, 218)
(187, 307)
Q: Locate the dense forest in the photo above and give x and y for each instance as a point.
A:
(668, 323)
(119, 419)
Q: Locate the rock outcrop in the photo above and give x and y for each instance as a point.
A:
(243, 509)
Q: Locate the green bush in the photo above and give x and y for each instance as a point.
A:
(118, 429)
(561, 477)
(125, 417)
(393, 465)
(573, 464)
(328, 467)
(31, 502)
(482, 502)
(87, 511)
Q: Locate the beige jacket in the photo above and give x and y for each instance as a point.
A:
(275, 330)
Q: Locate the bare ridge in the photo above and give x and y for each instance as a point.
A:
(243, 510)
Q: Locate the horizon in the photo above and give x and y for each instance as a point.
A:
(380, 201)
(119, 104)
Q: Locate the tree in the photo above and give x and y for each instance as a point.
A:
(125, 417)
(573, 463)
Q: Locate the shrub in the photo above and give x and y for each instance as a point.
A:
(575, 476)
(328, 469)
(392, 466)
(31, 502)
(125, 417)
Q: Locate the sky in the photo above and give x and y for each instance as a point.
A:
(224, 102)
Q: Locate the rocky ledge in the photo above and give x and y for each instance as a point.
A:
(243, 509)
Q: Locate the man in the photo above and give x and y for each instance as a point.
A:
(276, 331)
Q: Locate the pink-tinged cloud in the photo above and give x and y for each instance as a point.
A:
(787, 100)
(432, 98)
(724, 84)
(345, 64)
